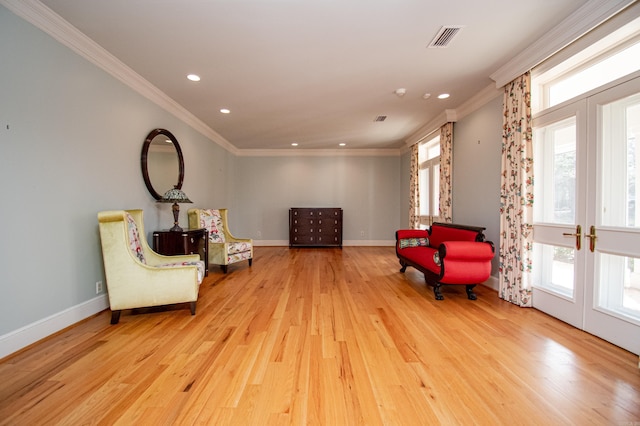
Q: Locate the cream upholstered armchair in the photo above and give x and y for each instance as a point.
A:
(224, 248)
(137, 276)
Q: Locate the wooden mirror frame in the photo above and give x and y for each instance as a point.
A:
(145, 154)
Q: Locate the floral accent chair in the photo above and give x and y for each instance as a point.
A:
(137, 276)
(224, 248)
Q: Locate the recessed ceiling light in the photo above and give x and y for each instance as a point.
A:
(342, 144)
(443, 96)
(193, 77)
(294, 144)
(225, 111)
(426, 96)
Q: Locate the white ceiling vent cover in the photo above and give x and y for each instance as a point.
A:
(445, 36)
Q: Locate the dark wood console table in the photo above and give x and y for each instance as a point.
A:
(311, 226)
(187, 241)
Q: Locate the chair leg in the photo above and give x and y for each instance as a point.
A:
(470, 294)
(193, 308)
(224, 268)
(250, 261)
(437, 292)
(115, 317)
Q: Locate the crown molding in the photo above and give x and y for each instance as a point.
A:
(583, 20)
(577, 24)
(52, 24)
(478, 100)
(428, 128)
(297, 152)
(452, 115)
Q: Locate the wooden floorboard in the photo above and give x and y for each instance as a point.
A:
(323, 337)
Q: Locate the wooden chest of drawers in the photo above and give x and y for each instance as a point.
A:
(315, 226)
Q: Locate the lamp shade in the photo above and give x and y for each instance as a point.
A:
(175, 195)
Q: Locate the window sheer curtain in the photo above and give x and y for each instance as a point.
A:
(446, 172)
(516, 194)
(414, 188)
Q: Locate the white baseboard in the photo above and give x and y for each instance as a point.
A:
(23, 337)
(270, 243)
(492, 283)
(353, 243)
(371, 243)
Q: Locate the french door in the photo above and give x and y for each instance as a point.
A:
(586, 266)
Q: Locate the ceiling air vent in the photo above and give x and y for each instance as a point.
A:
(445, 36)
(380, 118)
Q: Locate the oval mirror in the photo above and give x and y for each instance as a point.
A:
(162, 163)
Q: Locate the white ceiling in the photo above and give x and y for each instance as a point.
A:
(315, 72)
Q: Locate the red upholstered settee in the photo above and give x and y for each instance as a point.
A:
(447, 254)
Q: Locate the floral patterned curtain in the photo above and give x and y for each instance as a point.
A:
(516, 194)
(446, 171)
(414, 188)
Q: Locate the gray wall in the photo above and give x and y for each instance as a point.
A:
(477, 150)
(366, 188)
(70, 143)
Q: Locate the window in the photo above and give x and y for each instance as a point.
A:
(612, 57)
(555, 171)
(621, 162)
(429, 164)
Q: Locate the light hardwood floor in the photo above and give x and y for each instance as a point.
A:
(323, 337)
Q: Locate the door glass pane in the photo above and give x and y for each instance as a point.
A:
(619, 286)
(436, 189)
(553, 268)
(433, 149)
(610, 68)
(555, 172)
(620, 136)
(424, 191)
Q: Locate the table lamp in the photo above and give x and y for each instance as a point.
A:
(175, 196)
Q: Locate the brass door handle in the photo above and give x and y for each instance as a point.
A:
(578, 236)
(592, 238)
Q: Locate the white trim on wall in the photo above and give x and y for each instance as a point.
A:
(583, 20)
(576, 25)
(478, 100)
(295, 152)
(25, 336)
(345, 243)
(45, 19)
(51, 23)
(492, 283)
